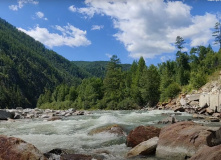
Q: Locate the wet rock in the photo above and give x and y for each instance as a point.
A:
(4, 115)
(184, 139)
(180, 109)
(144, 148)
(76, 157)
(113, 129)
(12, 148)
(198, 116)
(54, 118)
(213, 119)
(168, 120)
(140, 134)
(208, 153)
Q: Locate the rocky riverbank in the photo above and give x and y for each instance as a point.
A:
(45, 114)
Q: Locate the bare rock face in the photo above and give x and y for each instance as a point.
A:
(140, 134)
(183, 139)
(145, 148)
(12, 148)
(208, 153)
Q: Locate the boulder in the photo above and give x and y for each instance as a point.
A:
(204, 100)
(12, 148)
(140, 134)
(184, 139)
(76, 157)
(183, 102)
(208, 153)
(113, 129)
(54, 118)
(193, 97)
(180, 109)
(209, 111)
(216, 114)
(4, 115)
(167, 120)
(144, 148)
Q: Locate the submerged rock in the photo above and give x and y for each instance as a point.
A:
(184, 139)
(12, 148)
(144, 148)
(140, 134)
(113, 129)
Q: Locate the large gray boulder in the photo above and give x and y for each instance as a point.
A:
(4, 115)
(144, 148)
(183, 139)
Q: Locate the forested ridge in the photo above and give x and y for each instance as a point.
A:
(32, 75)
(97, 68)
(27, 68)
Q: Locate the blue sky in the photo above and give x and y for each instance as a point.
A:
(93, 30)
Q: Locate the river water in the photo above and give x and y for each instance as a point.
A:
(72, 132)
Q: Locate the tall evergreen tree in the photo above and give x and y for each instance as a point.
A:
(217, 34)
(179, 43)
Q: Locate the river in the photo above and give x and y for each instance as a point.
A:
(72, 132)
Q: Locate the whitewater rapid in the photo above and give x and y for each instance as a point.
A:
(72, 132)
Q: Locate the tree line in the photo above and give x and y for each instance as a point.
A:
(141, 85)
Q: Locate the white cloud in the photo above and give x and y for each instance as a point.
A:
(109, 55)
(149, 28)
(21, 4)
(72, 8)
(70, 36)
(97, 27)
(41, 15)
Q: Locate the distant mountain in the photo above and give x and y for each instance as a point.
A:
(97, 68)
(27, 68)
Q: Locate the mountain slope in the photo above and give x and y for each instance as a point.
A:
(97, 68)
(27, 68)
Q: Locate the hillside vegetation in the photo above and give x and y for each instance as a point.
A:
(31, 75)
(97, 68)
(27, 68)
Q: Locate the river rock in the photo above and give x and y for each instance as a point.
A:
(54, 118)
(4, 115)
(76, 157)
(170, 120)
(184, 139)
(12, 148)
(208, 153)
(140, 134)
(144, 148)
(113, 129)
(180, 109)
(209, 111)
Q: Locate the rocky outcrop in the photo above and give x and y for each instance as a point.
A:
(183, 139)
(140, 134)
(4, 115)
(16, 149)
(113, 129)
(208, 153)
(145, 148)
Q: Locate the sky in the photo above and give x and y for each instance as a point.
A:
(94, 30)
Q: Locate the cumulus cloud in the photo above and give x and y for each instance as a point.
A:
(41, 15)
(149, 28)
(21, 4)
(97, 27)
(70, 36)
(72, 8)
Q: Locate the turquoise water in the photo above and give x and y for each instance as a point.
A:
(72, 132)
